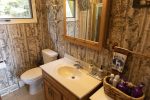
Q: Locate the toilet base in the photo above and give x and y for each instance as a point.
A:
(35, 88)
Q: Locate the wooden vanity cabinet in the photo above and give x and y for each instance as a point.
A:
(50, 92)
(55, 91)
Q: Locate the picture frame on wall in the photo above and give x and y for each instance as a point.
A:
(141, 3)
(118, 61)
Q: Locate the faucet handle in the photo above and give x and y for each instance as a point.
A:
(78, 62)
(91, 65)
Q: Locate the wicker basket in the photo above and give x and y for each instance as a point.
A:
(115, 93)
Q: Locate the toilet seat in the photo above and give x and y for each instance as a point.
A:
(32, 74)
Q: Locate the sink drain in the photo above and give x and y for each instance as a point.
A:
(73, 77)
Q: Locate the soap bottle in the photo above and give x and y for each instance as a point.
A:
(122, 86)
(111, 78)
(116, 80)
(137, 91)
(100, 72)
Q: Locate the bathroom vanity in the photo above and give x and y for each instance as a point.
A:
(62, 81)
(54, 90)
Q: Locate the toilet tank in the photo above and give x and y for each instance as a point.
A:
(49, 55)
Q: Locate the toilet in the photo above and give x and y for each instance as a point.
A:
(33, 77)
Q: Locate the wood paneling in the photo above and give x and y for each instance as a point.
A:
(128, 27)
(21, 44)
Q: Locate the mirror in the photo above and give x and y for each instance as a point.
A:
(85, 22)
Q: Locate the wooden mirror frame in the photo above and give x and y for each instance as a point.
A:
(103, 29)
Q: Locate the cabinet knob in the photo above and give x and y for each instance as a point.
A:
(50, 91)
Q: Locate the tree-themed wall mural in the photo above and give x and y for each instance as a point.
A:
(129, 27)
(20, 48)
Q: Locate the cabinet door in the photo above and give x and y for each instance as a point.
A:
(50, 92)
(64, 98)
(56, 94)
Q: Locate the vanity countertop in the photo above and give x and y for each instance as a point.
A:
(100, 95)
(79, 87)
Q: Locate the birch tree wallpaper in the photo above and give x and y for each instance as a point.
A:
(21, 44)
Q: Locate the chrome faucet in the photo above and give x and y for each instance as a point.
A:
(78, 65)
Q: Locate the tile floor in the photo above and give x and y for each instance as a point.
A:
(22, 94)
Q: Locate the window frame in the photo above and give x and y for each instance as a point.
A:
(33, 19)
(75, 18)
(74, 9)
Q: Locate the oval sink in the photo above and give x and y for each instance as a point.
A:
(69, 72)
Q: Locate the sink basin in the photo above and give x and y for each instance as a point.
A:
(69, 72)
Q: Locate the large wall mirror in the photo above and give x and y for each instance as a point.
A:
(85, 22)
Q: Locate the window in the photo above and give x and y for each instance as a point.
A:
(70, 8)
(17, 11)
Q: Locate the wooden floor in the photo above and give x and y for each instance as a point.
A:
(23, 94)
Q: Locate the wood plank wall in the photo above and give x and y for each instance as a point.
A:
(129, 27)
(21, 45)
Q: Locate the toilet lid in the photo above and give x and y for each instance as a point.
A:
(32, 74)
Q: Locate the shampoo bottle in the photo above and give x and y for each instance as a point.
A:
(137, 91)
(111, 78)
(116, 80)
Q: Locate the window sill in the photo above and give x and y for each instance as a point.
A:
(18, 21)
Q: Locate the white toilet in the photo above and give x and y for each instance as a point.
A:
(33, 77)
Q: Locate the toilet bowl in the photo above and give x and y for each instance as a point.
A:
(33, 77)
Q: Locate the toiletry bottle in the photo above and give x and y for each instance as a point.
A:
(101, 72)
(122, 86)
(116, 80)
(137, 91)
(130, 87)
(90, 68)
(111, 78)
